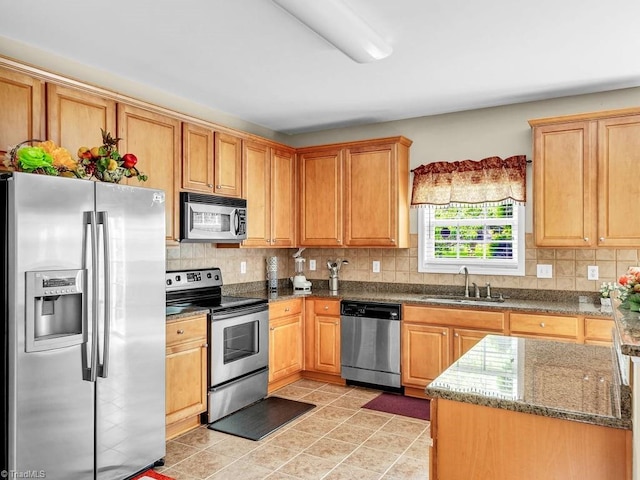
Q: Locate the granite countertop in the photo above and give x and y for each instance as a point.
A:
(628, 330)
(541, 305)
(542, 301)
(540, 377)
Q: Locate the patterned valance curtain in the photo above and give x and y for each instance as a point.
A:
(491, 180)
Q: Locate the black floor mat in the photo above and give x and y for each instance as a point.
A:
(262, 418)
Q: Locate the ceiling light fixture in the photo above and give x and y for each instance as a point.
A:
(338, 24)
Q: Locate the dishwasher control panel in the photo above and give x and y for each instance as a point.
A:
(386, 311)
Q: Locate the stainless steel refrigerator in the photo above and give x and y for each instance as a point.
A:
(83, 350)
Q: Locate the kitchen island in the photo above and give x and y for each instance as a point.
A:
(531, 409)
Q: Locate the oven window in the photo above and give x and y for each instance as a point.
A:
(240, 341)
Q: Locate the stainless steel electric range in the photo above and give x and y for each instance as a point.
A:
(238, 338)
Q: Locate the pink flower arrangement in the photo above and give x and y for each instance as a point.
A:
(630, 285)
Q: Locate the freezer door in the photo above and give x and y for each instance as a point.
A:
(50, 409)
(130, 405)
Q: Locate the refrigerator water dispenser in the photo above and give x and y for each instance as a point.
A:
(55, 309)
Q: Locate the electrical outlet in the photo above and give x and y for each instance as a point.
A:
(243, 267)
(545, 271)
(376, 266)
(312, 265)
(592, 272)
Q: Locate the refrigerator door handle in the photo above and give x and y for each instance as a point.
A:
(103, 219)
(91, 371)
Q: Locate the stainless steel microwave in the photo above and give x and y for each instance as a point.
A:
(212, 219)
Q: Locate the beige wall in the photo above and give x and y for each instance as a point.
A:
(401, 265)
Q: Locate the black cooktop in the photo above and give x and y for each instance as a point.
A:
(193, 289)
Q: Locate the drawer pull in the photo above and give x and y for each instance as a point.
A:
(542, 324)
(272, 328)
(180, 332)
(286, 309)
(326, 307)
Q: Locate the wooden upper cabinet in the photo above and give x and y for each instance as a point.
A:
(197, 158)
(355, 194)
(376, 195)
(227, 165)
(584, 175)
(21, 109)
(283, 197)
(269, 188)
(155, 140)
(75, 117)
(321, 215)
(618, 181)
(564, 184)
(257, 187)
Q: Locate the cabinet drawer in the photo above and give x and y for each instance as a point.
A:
(598, 329)
(544, 325)
(285, 308)
(187, 330)
(326, 307)
(466, 318)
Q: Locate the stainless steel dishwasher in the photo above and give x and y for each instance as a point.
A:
(370, 344)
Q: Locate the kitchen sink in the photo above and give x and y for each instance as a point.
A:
(459, 300)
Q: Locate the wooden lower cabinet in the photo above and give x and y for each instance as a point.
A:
(597, 331)
(426, 353)
(473, 441)
(186, 374)
(322, 339)
(548, 327)
(434, 337)
(285, 342)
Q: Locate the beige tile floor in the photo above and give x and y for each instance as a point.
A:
(335, 440)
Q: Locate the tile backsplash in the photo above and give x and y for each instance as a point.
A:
(401, 265)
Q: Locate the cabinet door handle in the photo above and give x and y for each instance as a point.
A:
(602, 239)
(586, 377)
(271, 328)
(444, 333)
(205, 345)
(180, 332)
(210, 185)
(218, 186)
(542, 324)
(456, 334)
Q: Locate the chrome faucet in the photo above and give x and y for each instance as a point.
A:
(466, 279)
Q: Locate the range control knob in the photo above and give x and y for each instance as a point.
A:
(169, 281)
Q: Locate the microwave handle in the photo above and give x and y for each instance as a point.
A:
(236, 221)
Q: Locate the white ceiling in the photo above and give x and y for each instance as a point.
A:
(250, 59)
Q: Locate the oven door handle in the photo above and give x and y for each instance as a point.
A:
(238, 312)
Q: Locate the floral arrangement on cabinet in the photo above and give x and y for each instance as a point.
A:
(103, 163)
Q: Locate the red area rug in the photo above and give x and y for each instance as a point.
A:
(400, 405)
(151, 474)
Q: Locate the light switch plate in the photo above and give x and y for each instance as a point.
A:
(376, 266)
(592, 272)
(545, 271)
(312, 265)
(243, 267)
